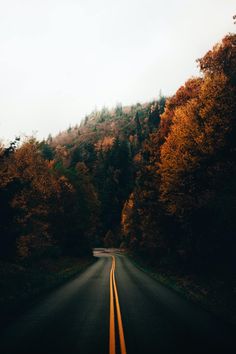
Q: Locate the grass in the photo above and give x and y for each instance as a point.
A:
(21, 284)
(214, 291)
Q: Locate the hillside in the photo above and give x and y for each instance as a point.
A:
(100, 129)
(108, 143)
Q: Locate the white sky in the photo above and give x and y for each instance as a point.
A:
(59, 59)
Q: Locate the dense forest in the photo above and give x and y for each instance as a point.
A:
(158, 178)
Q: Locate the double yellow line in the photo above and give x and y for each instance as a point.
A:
(114, 295)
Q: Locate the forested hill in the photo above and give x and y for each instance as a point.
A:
(158, 178)
(107, 144)
(119, 122)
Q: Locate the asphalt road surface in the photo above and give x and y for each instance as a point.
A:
(115, 308)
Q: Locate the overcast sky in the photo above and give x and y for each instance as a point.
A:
(59, 59)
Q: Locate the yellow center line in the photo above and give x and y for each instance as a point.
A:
(112, 317)
(119, 318)
(112, 341)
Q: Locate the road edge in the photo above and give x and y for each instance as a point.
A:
(178, 290)
(24, 306)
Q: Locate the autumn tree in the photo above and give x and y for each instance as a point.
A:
(8, 187)
(199, 152)
(31, 188)
(183, 95)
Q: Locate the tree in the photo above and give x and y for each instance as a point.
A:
(138, 128)
(30, 188)
(199, 152)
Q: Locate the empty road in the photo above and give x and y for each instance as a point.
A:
(115, 308)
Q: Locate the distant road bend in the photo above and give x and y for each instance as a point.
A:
(115, 308)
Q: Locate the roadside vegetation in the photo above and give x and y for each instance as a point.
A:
(23, 283)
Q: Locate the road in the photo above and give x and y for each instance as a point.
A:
(113, 308)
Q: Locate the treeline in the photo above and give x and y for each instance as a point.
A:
(182, 208)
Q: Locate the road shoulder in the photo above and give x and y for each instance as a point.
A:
(23, 285)
(211, 294)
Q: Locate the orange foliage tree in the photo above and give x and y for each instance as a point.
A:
(34, 190)
(199, 151)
